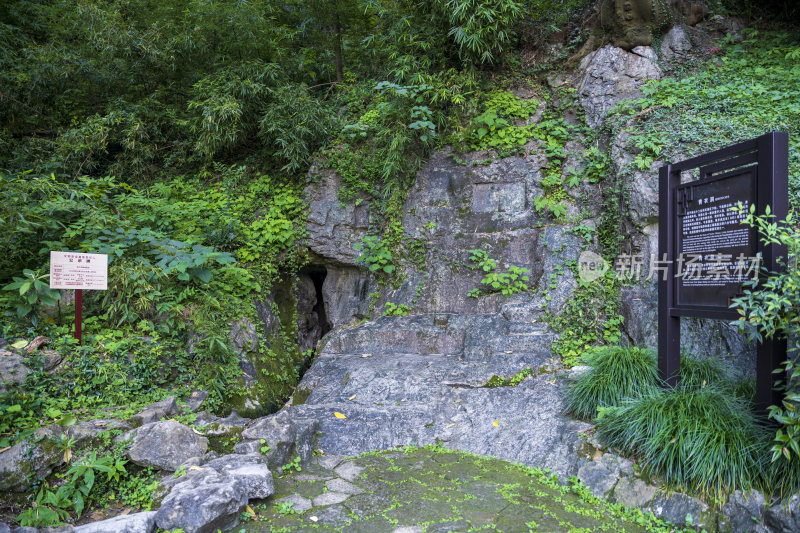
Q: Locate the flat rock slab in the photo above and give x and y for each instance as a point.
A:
(481, 493)
(349, 471)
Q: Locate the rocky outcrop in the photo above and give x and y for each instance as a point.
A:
(211, 497)
(632, 23)
(402, 380)
(132, 523)
(610, 75)
(784, 517)
(283, 436)
(36, 458)
(165, 445)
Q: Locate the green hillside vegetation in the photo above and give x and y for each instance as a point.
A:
(177, 137)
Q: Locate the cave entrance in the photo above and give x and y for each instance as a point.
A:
(318, 274)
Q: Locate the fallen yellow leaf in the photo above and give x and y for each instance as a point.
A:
(351, 398)
(495, 423)
(250, 512)
(337, 414)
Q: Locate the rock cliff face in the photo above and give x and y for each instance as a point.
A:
(383, 381)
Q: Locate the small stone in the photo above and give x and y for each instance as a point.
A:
(156, 411)
(349, 471)
(633, 492)
(677, 506)
(300, 504)
(340, 485)
(195, 400)
(329, 498)
(784, 517)
(12, 371)
(329, 461)
(598, 478)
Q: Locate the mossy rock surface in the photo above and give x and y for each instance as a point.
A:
(435, 489)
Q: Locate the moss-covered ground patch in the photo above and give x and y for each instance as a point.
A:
(437, 490)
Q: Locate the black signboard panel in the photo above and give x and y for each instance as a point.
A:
(716, 251)
(694, 219)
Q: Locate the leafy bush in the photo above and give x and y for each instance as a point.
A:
(769, 309)
(375, 255)
(507, 283)
(614, 374)
(703, 439)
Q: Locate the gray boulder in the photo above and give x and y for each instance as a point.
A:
(132, 523)
(784, 517)
(680, 509)
(165, 445)
(12, 371)
(156, 411)
(251, 470)
(597, 478)
(743, 512)
(675, 45)
(204, 502)
(610, 75)
(285, 437)
(25, 461)
(633, 492)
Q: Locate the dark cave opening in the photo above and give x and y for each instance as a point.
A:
(318, 273)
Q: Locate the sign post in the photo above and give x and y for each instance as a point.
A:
(72, 270)
(707, 250)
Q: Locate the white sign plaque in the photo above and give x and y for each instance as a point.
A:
(73, 270)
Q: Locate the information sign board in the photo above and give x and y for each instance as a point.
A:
(73, 270)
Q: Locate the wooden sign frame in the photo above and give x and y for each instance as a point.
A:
(767, 157)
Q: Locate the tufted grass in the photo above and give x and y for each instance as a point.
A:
(702, 439)
(615, 373)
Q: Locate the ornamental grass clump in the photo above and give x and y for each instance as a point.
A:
(697, 373)
(615, 373)
(701, 439)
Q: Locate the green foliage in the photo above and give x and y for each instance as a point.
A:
(615, 374)
(698, 439)
(513, 381)
(482, 30)
(502, 124)
(50, 508)
(379, 150)
(375, 254)
(748, 90)
(590, 318)
(392, 309)
(507, 283)
(698, 372)
(768, 308)
(30, 291)
(294, 464)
